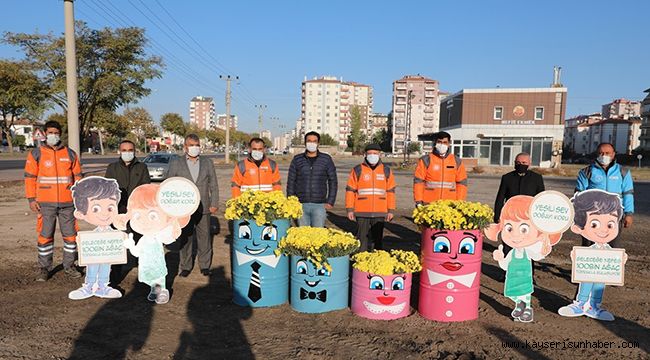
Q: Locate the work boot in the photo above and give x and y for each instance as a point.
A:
(43, 275)
(72, 273)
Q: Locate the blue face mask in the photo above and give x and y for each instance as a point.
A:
(372, 159)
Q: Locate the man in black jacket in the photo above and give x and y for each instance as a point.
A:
(128, 171)
(312, 178)
(521, 181)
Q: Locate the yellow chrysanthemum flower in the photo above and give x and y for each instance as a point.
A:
(263, 207)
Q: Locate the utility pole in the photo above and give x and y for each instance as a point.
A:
(71, 77)
(259, 119)
(228, 79)
(407, 131)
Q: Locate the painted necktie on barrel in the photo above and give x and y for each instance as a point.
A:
(254, 290)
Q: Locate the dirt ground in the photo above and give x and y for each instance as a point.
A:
(37, 321)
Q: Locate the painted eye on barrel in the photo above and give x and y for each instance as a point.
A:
(270, 233)
(301, 267)
(441, 245)
(323, 272)
(466, 246)
(376, 283)
(398, 283)
(244, 231)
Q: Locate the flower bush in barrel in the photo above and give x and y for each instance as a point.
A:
(381, 283)
(320, 267)
(451, 257)
(260, 220)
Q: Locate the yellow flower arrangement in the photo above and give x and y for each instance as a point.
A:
(453, 215)
(263, 207)
(380, 262)
(317, 244)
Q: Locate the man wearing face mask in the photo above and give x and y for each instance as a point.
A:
(128, 171)
(312, 178)
(606, 174)
(50, 172)
(521, 181)
(199, 170)
(370, 198)
(440, 175)
(256, 172)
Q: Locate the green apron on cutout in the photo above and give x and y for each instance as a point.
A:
(519, 277)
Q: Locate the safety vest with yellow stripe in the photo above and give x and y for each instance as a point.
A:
(49, 175)
(370, 192)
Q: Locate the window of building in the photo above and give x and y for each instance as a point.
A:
(539, 113)
(498, 112)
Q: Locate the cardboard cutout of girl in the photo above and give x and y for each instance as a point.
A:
(158, 228)
(528, 242)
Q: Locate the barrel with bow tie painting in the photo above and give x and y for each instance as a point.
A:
(260, 277)
(260, 274)
(315, 289)
(452, 243)
(320, 267)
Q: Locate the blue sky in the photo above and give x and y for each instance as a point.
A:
(602, 47)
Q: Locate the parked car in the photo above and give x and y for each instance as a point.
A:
(158, 165)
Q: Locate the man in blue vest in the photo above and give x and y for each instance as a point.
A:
(606, 174)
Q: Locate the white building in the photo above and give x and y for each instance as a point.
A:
(644, 138)
(220, 122)
(326, 106)
(376, 123)
(621, 109)
(202, 112)
(577, 136)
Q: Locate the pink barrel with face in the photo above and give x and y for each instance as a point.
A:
(451, 274)
(381, 297)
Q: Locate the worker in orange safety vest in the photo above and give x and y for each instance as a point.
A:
(50, 171)
(440, 175)
(256, 172)
(370, 198)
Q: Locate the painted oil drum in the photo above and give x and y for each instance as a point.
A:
(260, 278)
(381, 297)
(316, 290)
(451, 274)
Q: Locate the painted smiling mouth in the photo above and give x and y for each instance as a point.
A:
(379, 309)
(386, 300)
(452, 266)
(254, 251)
(312, 283)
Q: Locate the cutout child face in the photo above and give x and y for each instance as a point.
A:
(600, 229)
(100, 212)
(149, 221)
(255, 240)
(519, 234)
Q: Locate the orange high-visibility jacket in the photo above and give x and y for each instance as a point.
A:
(49, 175)
(438, 178)
(248, 176)
(370, 192)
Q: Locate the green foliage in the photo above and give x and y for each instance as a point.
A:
(297, 140)
(19, 140)
(173, 123)
(141, 122)
(21, 94)
(326, 139)
(112, 69)
(382, 138)
(413, 147)
(216, 137)
(356, 139)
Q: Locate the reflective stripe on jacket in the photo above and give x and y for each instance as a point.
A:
(49, 175)
(438, 178)
(370, 192)
(248, 176)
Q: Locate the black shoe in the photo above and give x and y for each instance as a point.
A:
(72, 273)
(43, 275)
(206, 272)
(184, 273)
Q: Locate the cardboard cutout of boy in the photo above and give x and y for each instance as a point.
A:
(530, 226)
(598, 216)
(158, 212)
(95, 200)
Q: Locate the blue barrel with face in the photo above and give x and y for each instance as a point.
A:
(316, 290)
(259, 278)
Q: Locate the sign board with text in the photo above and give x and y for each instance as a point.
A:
(552, 212)
(178, 197)
(592, 265)
(101, 247)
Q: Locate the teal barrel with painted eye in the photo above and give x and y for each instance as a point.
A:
(317, 290)
(259, 277)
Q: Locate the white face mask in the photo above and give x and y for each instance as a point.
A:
(52, 139)
(127, 156)
(311, 146)
(372, 159)
(442, 148)
(193, 151)
(257, 155)
(604, 160)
